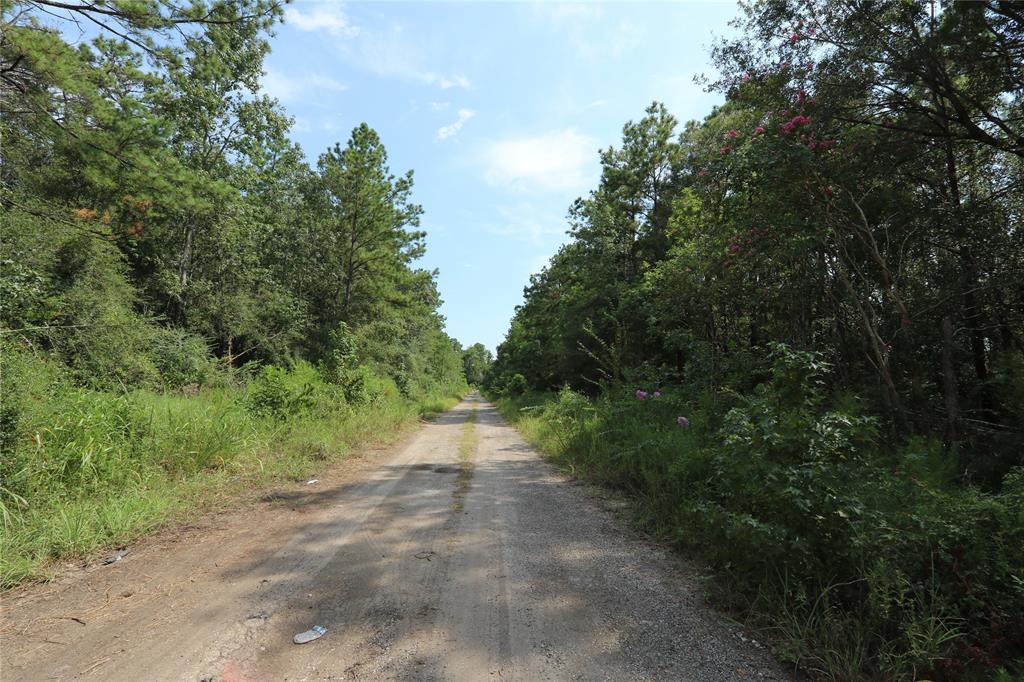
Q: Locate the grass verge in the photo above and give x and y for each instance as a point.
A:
(91, 470)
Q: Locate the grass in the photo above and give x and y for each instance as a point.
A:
(468, 442)
(92, 470)
(853, 564)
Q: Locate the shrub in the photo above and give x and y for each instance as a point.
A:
(282, 393)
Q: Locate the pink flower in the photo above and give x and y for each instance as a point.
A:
(682, 421)
(702, 173)
(734, 133)
(641, 394)
(810, 66)
(793, 38)
(725, 150)
(812, 31)
(746, 78)
(758, 130)
(657, 394)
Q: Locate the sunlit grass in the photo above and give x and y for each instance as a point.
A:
(104, 469)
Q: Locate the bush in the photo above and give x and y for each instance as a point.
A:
(863, 562)
(516, 385)
(181, 358)
(282, 393)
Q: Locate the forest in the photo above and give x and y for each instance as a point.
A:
(793, 333)
(188, 307)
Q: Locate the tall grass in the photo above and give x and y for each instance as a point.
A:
(860, 562)
(84, 470)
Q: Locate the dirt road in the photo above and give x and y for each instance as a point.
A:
(460, 555)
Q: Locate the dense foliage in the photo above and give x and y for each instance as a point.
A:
(822, 282)
(161, 236)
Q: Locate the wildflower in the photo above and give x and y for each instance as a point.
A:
(758, 130)
(734, 133)
(641, 394)
(682, 421)
(725, 150)
(702, 173)
(793, 38)
(657, 394)
(746, 78)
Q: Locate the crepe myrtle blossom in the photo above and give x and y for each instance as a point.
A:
(682, 421)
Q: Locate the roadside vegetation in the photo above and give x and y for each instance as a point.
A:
(188, 308)
(793, 332)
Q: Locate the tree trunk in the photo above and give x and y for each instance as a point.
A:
(949, 388)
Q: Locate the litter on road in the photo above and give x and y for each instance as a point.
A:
(315, 632)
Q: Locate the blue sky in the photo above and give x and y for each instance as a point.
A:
(499, 108)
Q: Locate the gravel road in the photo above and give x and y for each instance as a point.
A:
(421, 562)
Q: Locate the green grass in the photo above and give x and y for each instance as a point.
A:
(855, 561)
(468, 441)
(92, 470)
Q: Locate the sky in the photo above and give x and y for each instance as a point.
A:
(498, 108)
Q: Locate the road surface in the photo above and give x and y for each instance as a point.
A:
(458, 555)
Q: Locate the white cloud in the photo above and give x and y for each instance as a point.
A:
(569, 11)
(455, 81)
(386, 52)
(528, 222)
(439, 106)
(451, 130)
(559, 160)
(326, 17)
(289, 86)
(585, 28)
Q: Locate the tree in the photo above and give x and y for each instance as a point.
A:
(476, 361)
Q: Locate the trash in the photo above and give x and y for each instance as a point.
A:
(315, 632)
(315, 480)
(115, 557)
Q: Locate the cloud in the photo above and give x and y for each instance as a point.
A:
(386, 52)
(586, 28)
(328, 17)
(529, 223)
(439, 106)
(444, 132)
(558, 160)
(288, 86)
(446, 82)
(568, 11)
